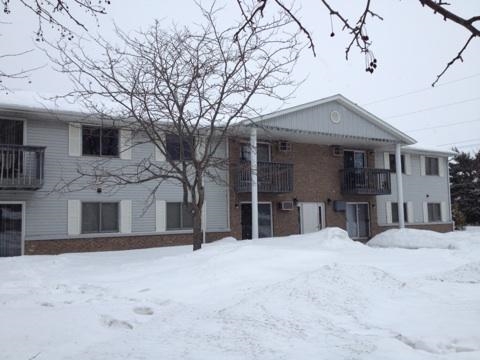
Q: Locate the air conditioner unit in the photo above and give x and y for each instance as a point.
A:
(337, 150)
(284, 146)
(286, 205)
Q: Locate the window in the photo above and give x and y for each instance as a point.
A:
(434, 212)
(395, 212)
(354, 159)
(98, 217)
(11, 132)
(178, 216)
(263, 152)
(393, 163)
(99, 141)
(178, 150)
(431, 166)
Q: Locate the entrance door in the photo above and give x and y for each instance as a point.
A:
(10, 230)
(358, 220)
(264, 220)
(312, 217)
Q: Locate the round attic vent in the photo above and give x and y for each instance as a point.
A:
(335, 117)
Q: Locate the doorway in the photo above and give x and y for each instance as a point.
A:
(11, 229)
(312, 217)
(264, 220)
(358, 220)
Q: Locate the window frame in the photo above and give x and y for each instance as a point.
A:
(430, 220)
(393, 160)
(394, 205)
(181, 214)
(100, 204)
(168, 153)
(428, 168)
(355, 152)
(247, 145)
(101, 129)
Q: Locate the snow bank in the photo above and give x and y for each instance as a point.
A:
(415, 239)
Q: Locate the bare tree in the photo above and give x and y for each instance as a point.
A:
(189, 84)
(358, 28)
(60, 15)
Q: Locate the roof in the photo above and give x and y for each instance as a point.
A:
(416, 149)
(347, 104)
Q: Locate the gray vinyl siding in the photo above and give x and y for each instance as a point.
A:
(317, 119)
(416, 187)
(46, 210)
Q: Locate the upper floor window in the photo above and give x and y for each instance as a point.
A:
(393, 163)
(99, 217)
(353, 159)
(434, 212)
(263, 152)
(100, 141)
(431, 166)
(178, 150)
(178, 217)
(11, 132)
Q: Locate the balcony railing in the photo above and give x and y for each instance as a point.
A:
(21, 167)
(271, 177)
(365, 181)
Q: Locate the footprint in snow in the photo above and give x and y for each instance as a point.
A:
(110, 322)
(46, 304)
(143, 310)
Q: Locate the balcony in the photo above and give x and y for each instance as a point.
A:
(272, 177)
(365, 181)
(21, 167)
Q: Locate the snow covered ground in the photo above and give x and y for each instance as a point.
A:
(316, 296)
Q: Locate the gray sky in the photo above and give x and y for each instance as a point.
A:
(412, 46)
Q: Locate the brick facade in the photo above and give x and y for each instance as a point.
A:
(60, 246)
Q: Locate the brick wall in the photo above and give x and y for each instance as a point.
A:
(316, 179)
(53, 247)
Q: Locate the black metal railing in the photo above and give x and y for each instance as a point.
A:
(271, 177)
(365, 181)
(21, 167)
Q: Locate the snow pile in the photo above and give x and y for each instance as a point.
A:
(415, 239)
(315, 296)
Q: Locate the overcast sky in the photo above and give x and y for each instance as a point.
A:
(412, 46)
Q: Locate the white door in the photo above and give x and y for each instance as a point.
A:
(312, 217)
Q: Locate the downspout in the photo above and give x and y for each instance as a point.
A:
(253, 163)
(398, 164)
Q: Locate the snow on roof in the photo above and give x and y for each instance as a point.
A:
(426, 150)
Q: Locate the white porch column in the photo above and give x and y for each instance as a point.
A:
(398, 165)
(253, 162)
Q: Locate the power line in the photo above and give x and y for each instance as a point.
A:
(460, 142)
(420, 90)
(433, 108)
(444, 126)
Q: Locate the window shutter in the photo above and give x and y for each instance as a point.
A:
(410, 217)
(161, 215)
(159, 156)
(422, 165)
(388, 210)
(425, 212)
(444, 211)
(386, 160)
(126, 216)
(408, 164)
(125, 144)
(74, 217)
(74, 139)
(441, 166)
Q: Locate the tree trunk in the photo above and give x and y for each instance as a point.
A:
(197, 230)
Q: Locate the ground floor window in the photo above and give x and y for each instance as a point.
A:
(264, 220)
(395, 212)
(99, 217)
(178, 216)
(10, 229)
(434, 212)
